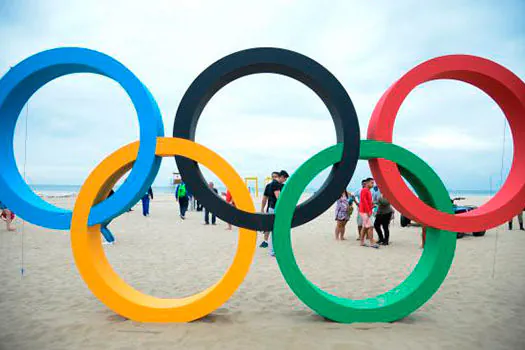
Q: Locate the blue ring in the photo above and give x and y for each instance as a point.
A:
(16, 88)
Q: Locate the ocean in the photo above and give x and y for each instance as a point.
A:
(64, 190)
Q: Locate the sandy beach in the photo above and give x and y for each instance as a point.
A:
(481, 304)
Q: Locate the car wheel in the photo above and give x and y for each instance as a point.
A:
(479, 234)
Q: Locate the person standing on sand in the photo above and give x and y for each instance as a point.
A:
(383, 218)
(229, 199)
(181, 196)
(265, 205)
(274, 195)
(207, 212)
(356, 197)
(8, 216)
(520, 221)
(366, 207)
(342, 215)
(145, 202)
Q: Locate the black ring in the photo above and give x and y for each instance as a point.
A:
(293, 65)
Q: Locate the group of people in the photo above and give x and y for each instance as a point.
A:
(184, 198)
(372, 206)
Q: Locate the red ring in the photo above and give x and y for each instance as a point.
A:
(506, 89)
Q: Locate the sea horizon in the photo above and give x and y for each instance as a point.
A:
(52, 189)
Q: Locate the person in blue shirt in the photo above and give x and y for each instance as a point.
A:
(376, 194)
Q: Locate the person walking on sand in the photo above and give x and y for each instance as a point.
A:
(383, 218)
(181, 196)
(520, 221)
(267, 203)
(145, 202)
(275, 192)
(8, 216)
(342, 215)
(366, 207)
(207, 212)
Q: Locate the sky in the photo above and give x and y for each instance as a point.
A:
(264, 122)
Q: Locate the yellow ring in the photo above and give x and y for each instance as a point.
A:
(107, 285)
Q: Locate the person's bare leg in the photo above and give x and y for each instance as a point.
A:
(342, 231)
(371, 235)
(359, 229)
(266, 236)
(9, 221)
(337, 230)
(362, 235)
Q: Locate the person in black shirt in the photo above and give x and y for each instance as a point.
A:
(207, 212)
(265, 205)
(275, 191)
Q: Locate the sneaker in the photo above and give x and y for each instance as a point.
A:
(107, 243)
(375, 245)
(206, 223)
(182, 217)
(264, 244)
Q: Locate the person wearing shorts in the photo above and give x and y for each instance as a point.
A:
(342, 215)
(366, 207)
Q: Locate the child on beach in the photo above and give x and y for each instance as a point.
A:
(342, 215)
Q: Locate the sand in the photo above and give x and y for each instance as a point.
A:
(481, 304)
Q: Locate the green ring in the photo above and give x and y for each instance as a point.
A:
(416, 289)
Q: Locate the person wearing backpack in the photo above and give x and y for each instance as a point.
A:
(181, 195)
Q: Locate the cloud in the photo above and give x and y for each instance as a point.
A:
(264, 122)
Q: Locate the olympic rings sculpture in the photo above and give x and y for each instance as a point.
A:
(388, 163)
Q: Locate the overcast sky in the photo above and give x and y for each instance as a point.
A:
(264, 122)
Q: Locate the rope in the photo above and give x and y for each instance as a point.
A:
(501, 184)
(22, 270)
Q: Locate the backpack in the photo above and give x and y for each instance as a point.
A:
(182, 191)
